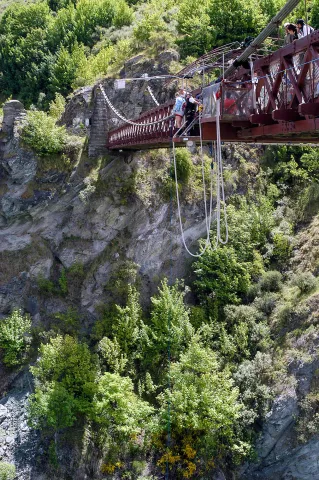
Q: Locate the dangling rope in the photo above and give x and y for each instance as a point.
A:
(126, 120)
(152, 95)
(220, 194)
(220, 179)
(207, 219)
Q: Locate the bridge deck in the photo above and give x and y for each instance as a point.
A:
(279, 106)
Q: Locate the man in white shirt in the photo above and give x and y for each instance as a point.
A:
(303, 28)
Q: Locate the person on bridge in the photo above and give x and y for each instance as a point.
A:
(303, 28)
(190, 108)
(178, 109)
(291, 33)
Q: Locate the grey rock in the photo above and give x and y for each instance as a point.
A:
(278, 421)
(11, 110)
(3, 413)
(9, 440)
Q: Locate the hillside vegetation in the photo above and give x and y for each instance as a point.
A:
(180, 382)
(52, 47)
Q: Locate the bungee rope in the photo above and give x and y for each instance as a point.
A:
(126, 120)
(220, 180)
(220, 194)
(207, 219)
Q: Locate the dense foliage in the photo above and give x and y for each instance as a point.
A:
(202, 370)
(7, 471)
(14, 339)
(52, 46)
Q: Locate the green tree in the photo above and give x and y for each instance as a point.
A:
(64, 70)
(121, 349)
(14, 342)
(235, 20)
(42, 134)
(118, 409)
(65, 383)
(169, 327)
(193, 23)
(7, 471)
(221, 278)
(25, 58)
(203, 405)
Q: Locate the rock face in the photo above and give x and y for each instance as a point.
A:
(95, 222)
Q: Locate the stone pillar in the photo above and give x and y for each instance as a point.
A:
(11, 111)
(99, 126)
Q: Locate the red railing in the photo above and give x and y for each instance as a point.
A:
(285, 103)
(132, 135)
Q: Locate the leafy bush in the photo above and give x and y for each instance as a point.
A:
(130, 415)
(57, 106)
(242, 333)
(308, 420)
(253, 379)
(271, 281)
(203, 407)
(282, 247)
(266, 303)
(169, 322)
(7, 471)
(42, 134)
(253, 292)
(305, 281)
(221, 278)
(63, 282)
(65, 383)
(184, 164)
(13, 338)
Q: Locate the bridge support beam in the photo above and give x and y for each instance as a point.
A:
(228, 133)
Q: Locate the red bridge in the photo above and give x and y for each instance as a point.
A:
(273, 100)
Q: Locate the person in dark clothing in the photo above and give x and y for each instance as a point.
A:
(190, 109)
(303, 28)
(291, 33)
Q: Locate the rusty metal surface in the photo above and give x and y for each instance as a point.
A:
(285, 110)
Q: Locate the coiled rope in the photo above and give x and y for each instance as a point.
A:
(126, 120)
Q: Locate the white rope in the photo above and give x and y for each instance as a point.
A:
(220, 180)
(152, 95)
(220, 193)
(207, 219)
(126, 120)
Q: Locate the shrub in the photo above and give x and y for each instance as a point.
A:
(266, 303)
(13, 337)
(221, 278)
(253, 378)
(204, 408)
(271, 281)
(308, 421)
(253, 292)
(305, 281)
(7, 471)
(57, 106)
(65, 383)
(184, 165)
(42, 134)
(282, 247)
(63, 282)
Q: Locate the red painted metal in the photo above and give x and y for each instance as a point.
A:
(286, 106)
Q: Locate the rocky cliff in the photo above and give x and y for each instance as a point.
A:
(95, 219)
